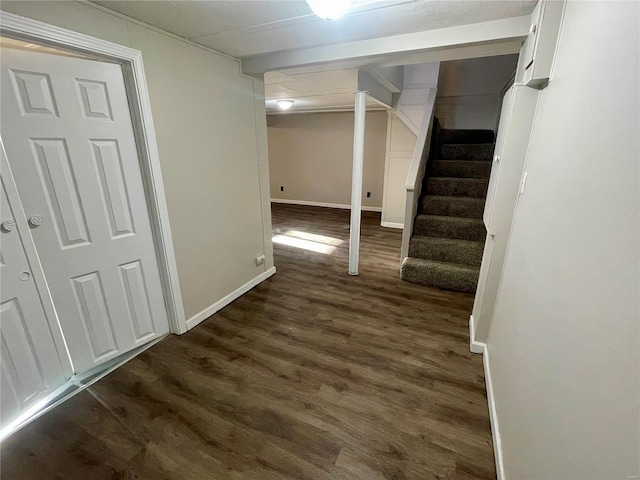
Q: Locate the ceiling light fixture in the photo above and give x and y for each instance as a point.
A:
(329, 9)
(284, 104)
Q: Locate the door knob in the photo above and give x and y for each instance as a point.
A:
(8, 226)
(36, 221)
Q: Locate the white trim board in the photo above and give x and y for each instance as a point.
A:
(485, 34)
(474, 345)
(370, 108)
(392, 225)
(226, 300)
(322, 204)
(493, 417)
(15, 26)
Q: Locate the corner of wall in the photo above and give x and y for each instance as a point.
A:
(385, 183)
(227, 299)
(474, 345)
(400, 143)
(263, 167)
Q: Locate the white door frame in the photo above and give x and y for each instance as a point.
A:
(15, 26)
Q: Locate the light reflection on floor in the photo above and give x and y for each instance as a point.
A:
(306, 241)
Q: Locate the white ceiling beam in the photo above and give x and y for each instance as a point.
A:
(366, 83)
(370, 108)
(514, 28)
(392, 78)
(506, 47)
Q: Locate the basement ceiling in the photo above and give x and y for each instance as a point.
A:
(244, 28)
(329, 90)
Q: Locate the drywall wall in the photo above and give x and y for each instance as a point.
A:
(400, 145)
(419, 81)
(469, 91)
(311, 156)
(206, 117)
(512, 141)
(564, 353)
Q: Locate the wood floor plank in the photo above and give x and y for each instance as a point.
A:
(313, 374)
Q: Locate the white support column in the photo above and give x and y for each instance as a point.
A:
(356, 181)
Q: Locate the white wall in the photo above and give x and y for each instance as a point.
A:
(400, 144)
(564, 352)
(469, 91)
(207, 117)
(403, 126)
(419, 81)
(311, 155)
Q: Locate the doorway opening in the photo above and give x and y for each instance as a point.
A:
(310, 124)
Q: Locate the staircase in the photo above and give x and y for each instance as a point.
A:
(448, 238)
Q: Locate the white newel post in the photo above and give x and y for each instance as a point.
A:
(356, 182)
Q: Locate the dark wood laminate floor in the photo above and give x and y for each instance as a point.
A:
(312, 375)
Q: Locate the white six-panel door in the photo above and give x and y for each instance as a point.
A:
(69, 140)
(31, 368)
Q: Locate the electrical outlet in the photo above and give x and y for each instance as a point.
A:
(260, 259)
(281, 188)
(368, 194)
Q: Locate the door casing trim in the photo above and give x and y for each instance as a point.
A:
(15, 26)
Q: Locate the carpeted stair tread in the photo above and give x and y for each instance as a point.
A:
(450, 227)
(463, 252)
(447, 242)
(447, 206)
(465, 151)
(450, 276)
(457, 187)
(461, 168)
(465, 136)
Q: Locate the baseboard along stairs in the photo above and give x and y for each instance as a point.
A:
(448, 237)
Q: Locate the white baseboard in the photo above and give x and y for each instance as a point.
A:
(481, 347)
(392, 225)
(493, 417)
(474, 345)
(223, 302)
(322, 204)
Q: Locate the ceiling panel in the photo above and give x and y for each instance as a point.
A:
(192, 18)
(377, 22)
(243, 28)
(331, 81)
(328, 103)
(316, 91)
